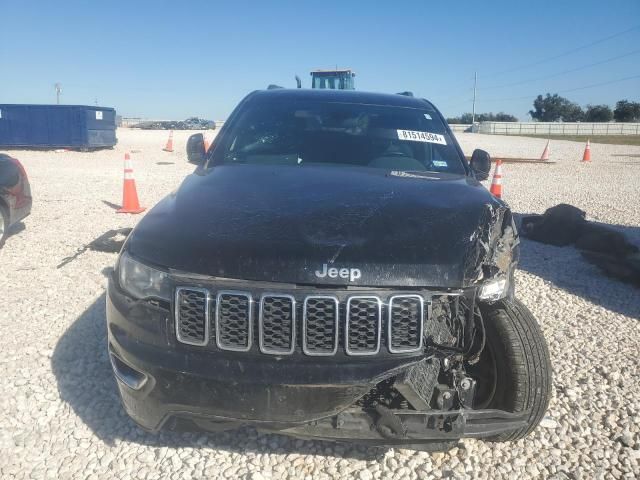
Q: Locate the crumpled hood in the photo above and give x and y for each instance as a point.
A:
(292, 224)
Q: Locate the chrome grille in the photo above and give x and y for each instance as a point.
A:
(406, 319)
(320, 325)
(352, 324)
(277, 324)
(192, 316)
(233, 321)
(364, 318)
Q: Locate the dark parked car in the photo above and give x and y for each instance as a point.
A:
(15, 194)
(332, 269)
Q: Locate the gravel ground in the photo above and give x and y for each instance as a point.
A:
(61, 415)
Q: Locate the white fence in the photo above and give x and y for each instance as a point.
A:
(555, 128)
(460, 127)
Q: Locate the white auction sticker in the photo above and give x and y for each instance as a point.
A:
(98, 115)
(414, 136)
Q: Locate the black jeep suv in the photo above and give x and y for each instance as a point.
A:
(332, 269)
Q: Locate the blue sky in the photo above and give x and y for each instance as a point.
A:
(161, 59)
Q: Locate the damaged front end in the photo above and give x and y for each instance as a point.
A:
(356, 384)
(444, 396)
(493, 254)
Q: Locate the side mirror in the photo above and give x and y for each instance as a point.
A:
(480, 164)
(195, 149)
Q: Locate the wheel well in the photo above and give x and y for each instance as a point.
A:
(4, 206)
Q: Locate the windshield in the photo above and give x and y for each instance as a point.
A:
(301, 133)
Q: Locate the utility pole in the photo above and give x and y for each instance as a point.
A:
(475, 82)
(58, 88)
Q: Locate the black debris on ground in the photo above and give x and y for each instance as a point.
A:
(603, 246)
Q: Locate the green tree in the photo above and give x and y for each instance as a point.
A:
(598, 113)
(466, 118)
(627, 111)
(505, 117)
(553, 108)
(573, 113)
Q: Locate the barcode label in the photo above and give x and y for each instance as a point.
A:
(427, 137)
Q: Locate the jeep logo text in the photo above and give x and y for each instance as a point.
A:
(351, 273)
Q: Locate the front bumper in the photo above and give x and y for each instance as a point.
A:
(161, 380)
(248, 387)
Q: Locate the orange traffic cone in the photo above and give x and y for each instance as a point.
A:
(169, 146)
(496, 183)
(545, 153)
(130, 203)
(586, 157)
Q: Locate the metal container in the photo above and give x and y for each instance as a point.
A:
(53, 126)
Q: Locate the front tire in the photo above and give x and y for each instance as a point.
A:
(517, 356)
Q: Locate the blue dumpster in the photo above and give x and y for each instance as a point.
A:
(54, 126)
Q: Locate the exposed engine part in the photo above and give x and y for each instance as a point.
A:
(454, 338)
(388, 424)
(466, 388)
(416, 384)
(445, 397)
(455, 331)
(453, 325)
(439, 330)
(384, 393)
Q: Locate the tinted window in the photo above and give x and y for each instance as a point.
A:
(293, 132)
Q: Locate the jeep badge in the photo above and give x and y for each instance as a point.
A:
(351, 273)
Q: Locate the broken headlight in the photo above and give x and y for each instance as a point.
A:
(142, 281)
(493, 290)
